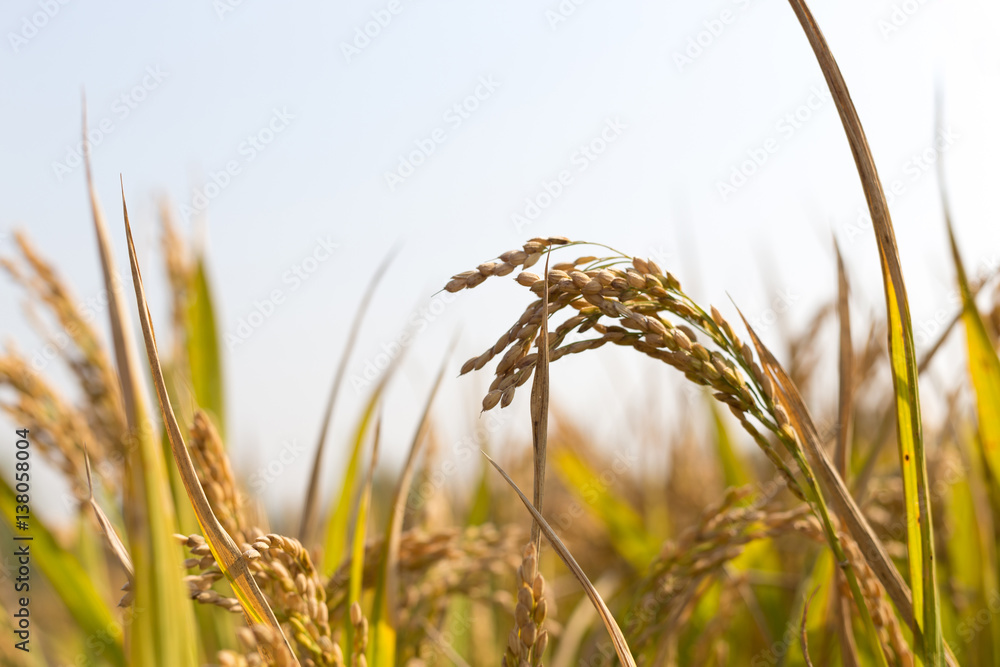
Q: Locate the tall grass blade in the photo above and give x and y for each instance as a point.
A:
(385, 608)
(845, 371)
(984, 366)
(919, 522)
(164, 633)
(308, 525)
(842, 449)
(229, 558)
(338, 524)
(356, 581)
(108, 529)
(617, 638)
(203, 348)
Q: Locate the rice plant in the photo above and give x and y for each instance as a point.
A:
(819, 545)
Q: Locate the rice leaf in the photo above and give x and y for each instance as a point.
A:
(229, 558)
(203, 348)
(165, 632)
(919, 522)
(617, 638)
(108, 529)
(972, 554)
(984, 366)
(845, 368)
(734, 469)
(307, 527)
(385, 608)
(356, 581)
(338, 525)
(625, 528)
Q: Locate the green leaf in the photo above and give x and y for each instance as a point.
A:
(984, 368)
(919, 522)
(338, 525)
(734, 469)
(625, 527)
(203, 348)
(168, 635)
(68, 579)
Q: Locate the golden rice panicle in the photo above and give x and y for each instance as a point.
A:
(638, 299)
(216, 476)
(58, 429)
(529, 254)
(675, 580)
(77, 344)
(527, 639)
(882, 612)
(285, 573)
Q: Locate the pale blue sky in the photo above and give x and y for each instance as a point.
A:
(308, 135)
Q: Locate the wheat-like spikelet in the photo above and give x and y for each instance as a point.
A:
(58, 429)
(673, 583)
(882, 612)
(284, 571)
(81, 349)
(527, 639)
(637, 297)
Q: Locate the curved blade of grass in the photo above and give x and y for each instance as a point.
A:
(984, 365)
(110, 534)
(165, 632)
(617, 638)
(919, 521)
(337, 527)
(385, 608)
(845, 367)
(842, 450)
(307, 527)
(229, 558)
(355, 584)
(971, 553)
(203, 349)
(66, 576)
